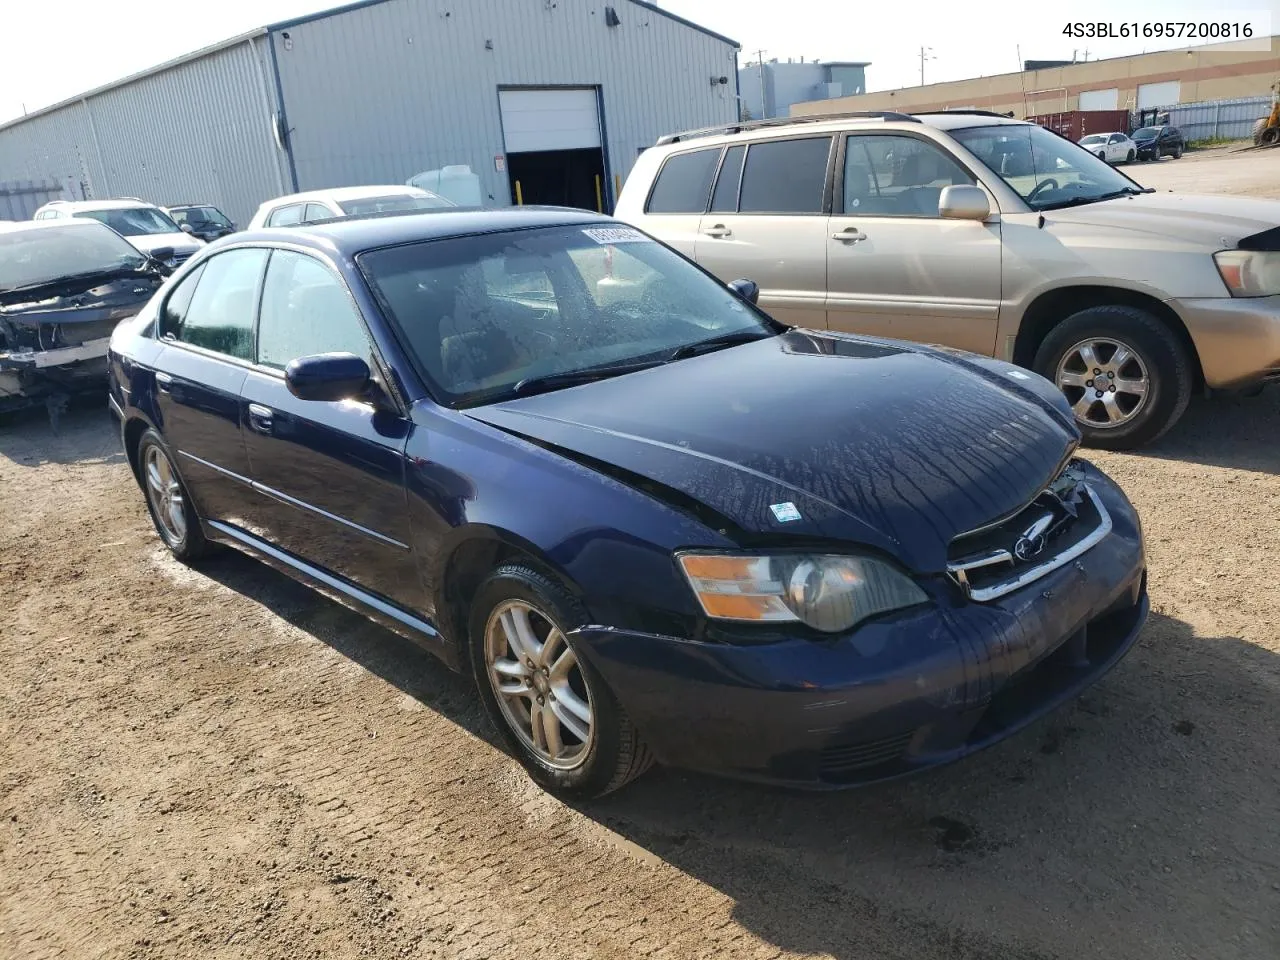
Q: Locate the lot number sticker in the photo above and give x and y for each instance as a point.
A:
(606, 235)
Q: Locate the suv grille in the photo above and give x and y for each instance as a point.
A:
(1061, 523)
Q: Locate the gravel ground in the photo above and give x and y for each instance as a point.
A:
(1229, 169)
(217, 763)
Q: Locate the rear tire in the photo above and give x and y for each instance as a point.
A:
(168, 502)
(1258, 127)
(574, 767)
(1177, 152)
(1158, 361)
(1102, 155)
(1270, 136)
(1129, 158)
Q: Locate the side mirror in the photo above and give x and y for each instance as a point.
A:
(163, 254)
(187, 228)
(962, 201)
(327, 376)
(748, 290)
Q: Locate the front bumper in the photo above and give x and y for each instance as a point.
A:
(1236, 338)
(894, 696)
(27, 376)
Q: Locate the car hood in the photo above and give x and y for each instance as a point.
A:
(809, 436)
(1219, 222)
(181, 242)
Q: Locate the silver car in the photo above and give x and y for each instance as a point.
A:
(986, 234)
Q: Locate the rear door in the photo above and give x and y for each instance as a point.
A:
(768, 222)
(894, 267)
(328, 476)
(206, 326)
(679, 197)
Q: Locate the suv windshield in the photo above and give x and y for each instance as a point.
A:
(1146, 133)
(492, 316)
(132, 221)
(1045, 169)
(37, 255)
(199, 215)
(393, 203)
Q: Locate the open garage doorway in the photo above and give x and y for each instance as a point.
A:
(554, 150)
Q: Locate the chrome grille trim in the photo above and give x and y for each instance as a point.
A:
(959, 569)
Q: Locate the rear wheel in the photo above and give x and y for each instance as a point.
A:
(1126, 375)
(1177, 152)
(168, 502)
(553, 709)
(1258, 127)
(1129, 158)
(1270, 136)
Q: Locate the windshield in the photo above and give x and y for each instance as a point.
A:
(1095, 138)
(1146, 133)
(199, 216)
(393, 203)
(482, 314)
(41, 254)
(133, 221)
(1045, 169)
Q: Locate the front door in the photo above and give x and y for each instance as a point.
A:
(769, 225)
(206, 326)
(328, 476)
(894, 267)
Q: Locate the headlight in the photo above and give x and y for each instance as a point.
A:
(1249, 273)
(829, 593)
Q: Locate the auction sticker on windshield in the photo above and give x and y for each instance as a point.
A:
(605, 235)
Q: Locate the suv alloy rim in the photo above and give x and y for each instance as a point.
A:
(539, 684)
(1105, 381)
(165, 494)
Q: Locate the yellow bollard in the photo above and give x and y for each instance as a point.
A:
(519, 195)
(599, 202)
(617, 186)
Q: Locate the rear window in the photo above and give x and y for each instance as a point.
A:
(785, 176)
(684, 183)
(392, 204)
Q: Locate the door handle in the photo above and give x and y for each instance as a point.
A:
(718, 231)
(849, 235)
(260, 418)
(163, 382)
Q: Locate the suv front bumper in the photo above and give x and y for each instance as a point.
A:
(1237, 338)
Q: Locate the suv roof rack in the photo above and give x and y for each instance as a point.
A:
(782, 121)
(973, 113)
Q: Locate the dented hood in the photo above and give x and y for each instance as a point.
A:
(811, 435)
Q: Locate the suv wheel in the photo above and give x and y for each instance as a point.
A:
(1177, 152)
(1126, 375)
(168, 502)
(553, 709)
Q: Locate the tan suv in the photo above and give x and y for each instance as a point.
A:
(985, 234)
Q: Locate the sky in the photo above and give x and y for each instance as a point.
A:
(98, 41)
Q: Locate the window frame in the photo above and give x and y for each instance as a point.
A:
(711, 184)
(837, 189)
(316, 203)
(828, 190)
(302, 209)
(715, 180)
(172, 341)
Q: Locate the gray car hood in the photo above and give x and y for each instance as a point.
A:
(1217, 222)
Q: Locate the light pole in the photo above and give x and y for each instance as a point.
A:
(764, 107)
(926, 53)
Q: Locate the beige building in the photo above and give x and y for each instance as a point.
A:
(1217, 71)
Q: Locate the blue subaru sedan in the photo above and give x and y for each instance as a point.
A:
(652, 522)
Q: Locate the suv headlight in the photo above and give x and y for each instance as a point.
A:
(827, 592)
(1249, 273)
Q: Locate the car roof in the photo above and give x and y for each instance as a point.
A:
(348, 193)
(121, 204)
(352, 235)
(16, 226)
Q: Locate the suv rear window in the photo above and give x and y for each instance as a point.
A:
(684, 183)
(785, 176)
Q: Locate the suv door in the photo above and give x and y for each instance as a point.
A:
(679, 197)
(894, 267)
(206, 326)
(769, 224)
(329, 475)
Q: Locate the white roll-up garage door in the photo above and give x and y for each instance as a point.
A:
(1100, 99)
(1158, 94)
(549, 119)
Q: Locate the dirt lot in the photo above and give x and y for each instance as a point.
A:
(1244, 173)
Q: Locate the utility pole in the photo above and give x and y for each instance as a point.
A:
(926, 53)
(764, 106)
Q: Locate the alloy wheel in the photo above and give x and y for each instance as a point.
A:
(539, 684)
(165, 494)
(1105, 381)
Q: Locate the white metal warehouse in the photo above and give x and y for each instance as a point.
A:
(558, 95)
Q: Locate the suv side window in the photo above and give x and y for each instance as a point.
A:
(684, 182)
(285, 216)
(785, 176)
(306, 309)
(887, 175)
(316, 212)
(219, 313)
(725, 198)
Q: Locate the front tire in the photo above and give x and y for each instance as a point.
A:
(170, 506)
(553, 710)
(1126, 375)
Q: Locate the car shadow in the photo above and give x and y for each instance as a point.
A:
(1147, 813)
(1227, 430)
(86, 433)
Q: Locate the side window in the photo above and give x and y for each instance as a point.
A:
(896, 176)
(1117, 137)
(285, 216)
(785, 176)
(684, 183)
(317, 211)
(725, 199)
(175, 308)
(219, 314)
(306, 310)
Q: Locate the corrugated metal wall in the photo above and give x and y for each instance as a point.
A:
(1218, 119)
(200, 130)
(380, 93)
(19, 199)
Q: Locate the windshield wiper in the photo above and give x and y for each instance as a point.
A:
(554, 381)
(1113, 195)
(715, 343)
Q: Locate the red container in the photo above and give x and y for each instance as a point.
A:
(1075, 124)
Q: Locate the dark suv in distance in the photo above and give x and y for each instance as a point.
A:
(204, 220)
(1156, 142)
(651, 521)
